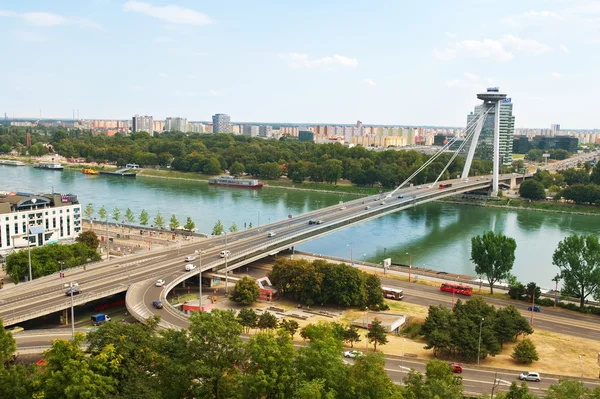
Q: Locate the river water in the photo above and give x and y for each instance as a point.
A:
(437, 235)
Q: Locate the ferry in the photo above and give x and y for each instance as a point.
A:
(90, 172)
(231, 181)
(49, 166)
(11, 162)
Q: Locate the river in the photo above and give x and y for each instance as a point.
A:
(437, 235)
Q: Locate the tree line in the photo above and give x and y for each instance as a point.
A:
(143, 218)
(579, 185)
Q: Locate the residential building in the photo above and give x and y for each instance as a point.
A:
(176, 124)
(555, 128)
(196, 127)
(485, 145)
(250, 130)
(221, 123)
(305, 135)
(265, 131)
(142, 124)
(41, 219)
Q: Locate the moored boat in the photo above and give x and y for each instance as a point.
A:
(11, 162)
(49, 166)
(231, 181)
(90, 172)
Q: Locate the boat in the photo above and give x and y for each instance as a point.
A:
(49, 166)
(90, 172)
(11, 162)
(231, 181)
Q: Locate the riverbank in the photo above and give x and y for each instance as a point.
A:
(524, 204)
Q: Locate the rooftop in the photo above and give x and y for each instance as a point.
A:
(20, 201)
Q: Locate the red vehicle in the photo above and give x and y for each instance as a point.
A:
(456, 367)
(445, 185)
(457, 289)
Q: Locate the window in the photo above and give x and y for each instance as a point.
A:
(47, 223)
(7, 235)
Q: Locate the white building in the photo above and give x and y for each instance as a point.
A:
(142, 124)
(265, 131)
(221, 123)
(45, 219)
(251, 130)
(176, 124)
(196, 127)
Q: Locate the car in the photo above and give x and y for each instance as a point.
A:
(159, 283)
(320, 221)
(224, 254)
(376, 199)
(311, 222)
(157, 304)
(75, 291)
(15, 329)
(73, 284)
(535, 308)
(353, 354)
(342, 208)
(271, 234)
(456, 368)
(189, 267)
(530, 376)
(189, 258)
(418, 187)
(401, 196)
(382, 202)
(367, 208)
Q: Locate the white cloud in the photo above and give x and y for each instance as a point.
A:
(46, 19)
(556, 74)
(26, 36)
(529, 46)
(171, 14)
(469, 80)
(564, 48)
(450, 35)
(370, 82)
(297, 60)
(7, 13)
(163, 75)
(532, 17)
(213, 92)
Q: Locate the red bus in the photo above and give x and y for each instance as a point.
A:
(457, 288)
(445, 185)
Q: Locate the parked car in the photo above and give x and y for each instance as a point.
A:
(75, 291)
(157, 304)
(190, 258)
(224, 254)
(352, 354)
(189, 267)
(159, 283)
(530, 376)
(456, 368)
(535, 308)
(271, 234)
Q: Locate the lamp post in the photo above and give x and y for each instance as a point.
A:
(366, 325)
(29, 251)
(581, 361)
(402, 358)
(107, 240)
(409, 265)
(226, 271)
(72, 311)
(479, 348)
(555, 279)
(200, 283)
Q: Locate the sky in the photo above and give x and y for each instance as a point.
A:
(394, 62)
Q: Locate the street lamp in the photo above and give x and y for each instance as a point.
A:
(226, 271)
(366, 326)
(581, 361)
(556, 279)
(200, 282)
(72, 310)
(107, 240)
(409, 265)
(479, 349)
(29, 251)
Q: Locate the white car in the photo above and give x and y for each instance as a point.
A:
(74, 284)
(189, 267)
(530, 376)
(271, 234)
(342, 208)
(159, 283)
(224, 254)
(353, 354)
(190, 258)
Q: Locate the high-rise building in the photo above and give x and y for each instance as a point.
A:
(485, 146)
(250, 130)
(555, 128)
(265, 131)
(221, 123)
(176, 124)
(196, 127)
(142, 124)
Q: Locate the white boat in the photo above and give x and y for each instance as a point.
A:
(11, 162)
(49, 165)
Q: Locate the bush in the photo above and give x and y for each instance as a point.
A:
(525, 352)
(544, 302)
(411, 330)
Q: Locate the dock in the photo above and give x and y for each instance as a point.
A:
(121, 172)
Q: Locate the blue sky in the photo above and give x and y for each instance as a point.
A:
(319, 61)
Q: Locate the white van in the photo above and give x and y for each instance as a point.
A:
(225, 254)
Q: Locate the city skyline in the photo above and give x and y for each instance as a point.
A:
(325, 63)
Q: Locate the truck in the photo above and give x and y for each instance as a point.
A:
(100, 318)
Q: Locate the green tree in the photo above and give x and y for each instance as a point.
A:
(377, 334)
(516, 392)
(368, 378)
(237, 169)
(246, 291)
(525, 352)
(595, 175)
(578, 258)
(159, 221)
(8, 346)
(130, 217)
(313, 389)
(89, 212)
(247, 318)
(493, 255)
(509, 324)
(289, 325)
(102, 213)
(267, 321)
(321, 359)
(270, 171)
(533, 291)
(351, 335)
(144, 217)
(212, 167)
(233, 228)
(173, 222)
(436, 329)
(570, 389)
(189, 224)
(440, 383)
(532, 189)
(333, 170)
(250, 225)
(116, 215)
(575, 176)
(89, 238)
(218, 228)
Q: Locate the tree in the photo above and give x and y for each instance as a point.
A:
(8, 346)
(189, 225)
(250, 225)
(159, 221)
(509, 324)
(89, 238)
(291, 326)
(532, 189)
(237, 168)
(440, 383)
(377, 334)
(493, 255)
(130, 217)
(595, 175)
(321, 359)
(173, 222)
(212, 166)
(102, 212)
(144, 217)
(533, 291)
(525, 352)
(233, 228)
(267, 321)
(351, 335)
(368, 378)
(246, 291)
(89, 211)
(247, 318)
(116, 215)
(570, 389)
(218, 228)
(575, 176)
(333, 170)
(578, 258)
(516, 392)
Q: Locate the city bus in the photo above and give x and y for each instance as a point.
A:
(457, 288)
(445, 185)
(392, 293)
